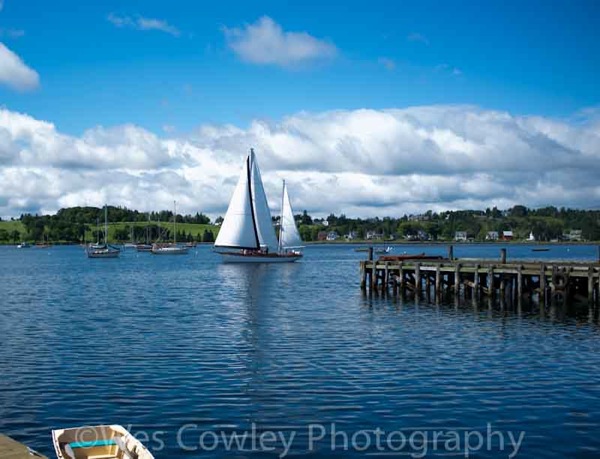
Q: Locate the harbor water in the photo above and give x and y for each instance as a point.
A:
(195, 357)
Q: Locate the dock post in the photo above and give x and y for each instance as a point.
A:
(386, 273)
(590, 285)
(363, 275)
(490, 281)
(438, 280)
(373, 277)
(520, 281)
(503, 256)
(394, 284)
(476, 283)
(417, 279)
(543, 285)
(401, 275)
(457, 279)
(451, 253)
(370, 256)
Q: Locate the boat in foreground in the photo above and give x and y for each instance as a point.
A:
(247, 234)
(12, 449)
(98, 442)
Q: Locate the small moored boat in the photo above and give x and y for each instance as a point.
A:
(144, 247)
(103, 250)
(173, 248)
(24, 245)
(98, 442)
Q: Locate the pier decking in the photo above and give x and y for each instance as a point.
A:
(436, 277)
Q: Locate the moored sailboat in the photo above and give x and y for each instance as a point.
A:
(145, 246)
(103, 250)
(174, 248)
(247, 234)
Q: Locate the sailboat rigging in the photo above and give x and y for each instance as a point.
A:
(248, 227)
(171, 249)
(103, 250)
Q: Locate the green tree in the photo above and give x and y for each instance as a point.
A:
(208, 236)
(15, 236)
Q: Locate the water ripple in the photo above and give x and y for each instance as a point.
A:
(157, 343)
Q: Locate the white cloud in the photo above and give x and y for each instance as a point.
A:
(360, 162)
(142, 23)
(15, 73)
(266, 43)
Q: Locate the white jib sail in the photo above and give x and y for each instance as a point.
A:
(237, 229)
(290, 237)
(262, 214)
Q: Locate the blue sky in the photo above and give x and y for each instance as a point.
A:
(364, 108)
(534, 57)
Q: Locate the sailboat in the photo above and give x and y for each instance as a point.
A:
(290, 241)
(131, 244)
(103, 250)
(171, 249)
(247, 233)
(146, 246)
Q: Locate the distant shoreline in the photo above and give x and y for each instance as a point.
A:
(457, 243)
(374, 244)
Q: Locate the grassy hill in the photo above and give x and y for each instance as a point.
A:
(196, 230)
(6, 230)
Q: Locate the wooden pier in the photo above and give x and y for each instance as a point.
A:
(438, 277)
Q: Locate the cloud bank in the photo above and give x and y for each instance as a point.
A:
(361, 162)
(14, 73)
(266, 43)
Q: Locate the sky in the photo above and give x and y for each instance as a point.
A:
(366, 108)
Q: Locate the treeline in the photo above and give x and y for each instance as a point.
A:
(150, 233)
(546, 224)
(72, 224)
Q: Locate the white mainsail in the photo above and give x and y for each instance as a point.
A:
(248, 223)
(288, 233)
(262, 214)
(238, 228)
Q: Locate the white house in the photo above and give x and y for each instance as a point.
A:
(492, 236)
(460, 236)
(332, 236)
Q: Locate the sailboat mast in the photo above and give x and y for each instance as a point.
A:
(250, 164)
(281, 218)
(105, 224)
(175, 222)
